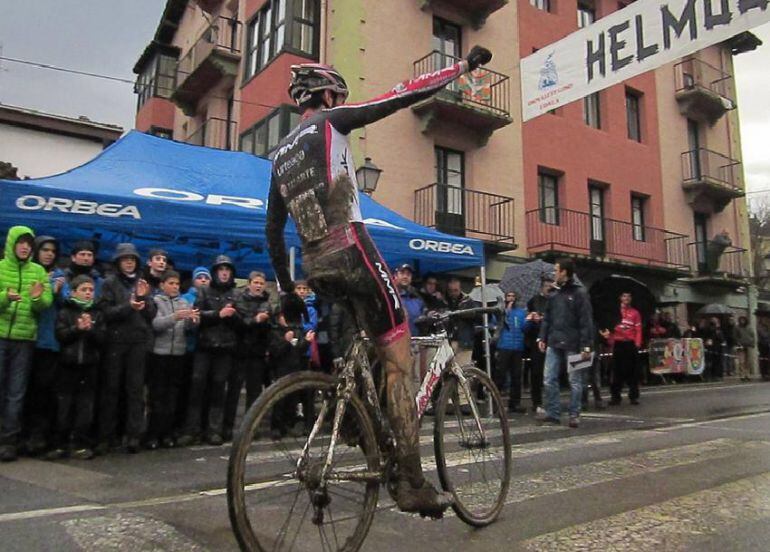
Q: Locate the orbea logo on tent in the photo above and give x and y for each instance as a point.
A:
(211, 199)
(76, 206)
(419, 244)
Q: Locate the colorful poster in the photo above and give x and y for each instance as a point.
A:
(676, 356)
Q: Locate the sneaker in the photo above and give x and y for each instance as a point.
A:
(151, 444)
(35, 445)
(424, 500)
(8, 453)
(168, 442)
(55, 454)
(227, 435)
(538, 410)
(102, 448)
(133, 445)
(574, 421)
(214, 439)
(634, 401)
(83, 453)
(185, 441)
(516, 409)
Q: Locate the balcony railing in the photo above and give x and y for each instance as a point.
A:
(693, 73)
(703, 166)
(215, 55)
(559, 230)
(483, 89)
(215, 133)
(223, 35)
(466, 212)
(706, 261)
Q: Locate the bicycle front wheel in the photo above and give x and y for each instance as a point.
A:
(473, 454)
(277, 495)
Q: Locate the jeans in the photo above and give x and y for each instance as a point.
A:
(555, 359)
(15, 359)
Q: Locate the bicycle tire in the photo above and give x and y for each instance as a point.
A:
(475, 514)
(260, 412)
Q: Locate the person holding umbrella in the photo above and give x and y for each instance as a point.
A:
(625, 340)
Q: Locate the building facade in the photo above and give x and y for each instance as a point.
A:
(38, 144)
(637, 179)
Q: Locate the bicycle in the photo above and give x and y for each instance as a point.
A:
(343, 450)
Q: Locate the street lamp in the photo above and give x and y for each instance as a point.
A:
(367, 176)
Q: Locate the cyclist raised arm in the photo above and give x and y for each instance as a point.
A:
(314, 181)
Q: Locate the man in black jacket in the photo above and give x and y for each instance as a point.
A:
(213, 359)
(567, 328)
(252, 304)
(128, 310)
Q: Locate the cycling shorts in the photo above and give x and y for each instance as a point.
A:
(346, 266)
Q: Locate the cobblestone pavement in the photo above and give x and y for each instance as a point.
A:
(689, 469)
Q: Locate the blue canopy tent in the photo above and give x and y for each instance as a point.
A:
(195, 202)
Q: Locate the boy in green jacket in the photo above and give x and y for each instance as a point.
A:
(24, 293)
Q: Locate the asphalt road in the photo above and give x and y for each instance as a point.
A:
(688, 469)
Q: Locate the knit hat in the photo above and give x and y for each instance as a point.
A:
(199, 270)
(83, 245)
(125, 250)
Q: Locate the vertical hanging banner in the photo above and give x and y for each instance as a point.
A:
(642, 36)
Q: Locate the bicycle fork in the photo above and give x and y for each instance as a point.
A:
(465, 388)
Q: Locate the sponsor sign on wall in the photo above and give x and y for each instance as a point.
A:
(642, 36)
(677, 356)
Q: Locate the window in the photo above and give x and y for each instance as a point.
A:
(447, 46)
(544, 5)
(450, 175)
(281, 25)
(596, 208)
(265, 135)
(157, 79)
(701, 240)
(548, 192)
(693, 142)
(637, 217)
(633, 115)
(591, 110)
(586, 13)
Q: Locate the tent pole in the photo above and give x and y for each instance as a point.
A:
(292, 261)
(487, 359)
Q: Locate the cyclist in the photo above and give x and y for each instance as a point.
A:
(314, 181)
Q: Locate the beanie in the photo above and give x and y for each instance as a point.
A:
(201, 270)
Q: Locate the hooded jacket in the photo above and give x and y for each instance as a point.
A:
(124, 324)
(170, 338)
(79, 347)
(46, 322)
(216, 332)
(18, 319)
(568, 319)
(254, 336)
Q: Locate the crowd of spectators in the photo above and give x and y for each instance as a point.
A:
(91, 363)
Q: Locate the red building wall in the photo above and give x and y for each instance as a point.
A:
(157, 112)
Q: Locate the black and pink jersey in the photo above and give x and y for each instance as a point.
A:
(314, 177)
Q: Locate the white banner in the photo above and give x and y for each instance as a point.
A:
(638, 38)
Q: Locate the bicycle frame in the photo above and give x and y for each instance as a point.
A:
(357, 364)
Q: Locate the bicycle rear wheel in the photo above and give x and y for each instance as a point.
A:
(473, 456)
(276, 501)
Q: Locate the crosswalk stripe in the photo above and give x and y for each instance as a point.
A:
(676, 524)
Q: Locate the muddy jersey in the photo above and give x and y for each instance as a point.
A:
(314, 177)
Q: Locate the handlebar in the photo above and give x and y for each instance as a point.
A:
(441, 316)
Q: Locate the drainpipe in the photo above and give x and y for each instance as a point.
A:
(323, 30)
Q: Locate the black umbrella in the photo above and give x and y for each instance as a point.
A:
(715, 309)
(525, 279)
(605, 299)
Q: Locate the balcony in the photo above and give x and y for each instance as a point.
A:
(209, 6)
(476, 103)
(469, 213)
(476, 11)
(552, 232)
(703, 92)
(710, 179)
(213, 57)
(730, 268)
(215, 133)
